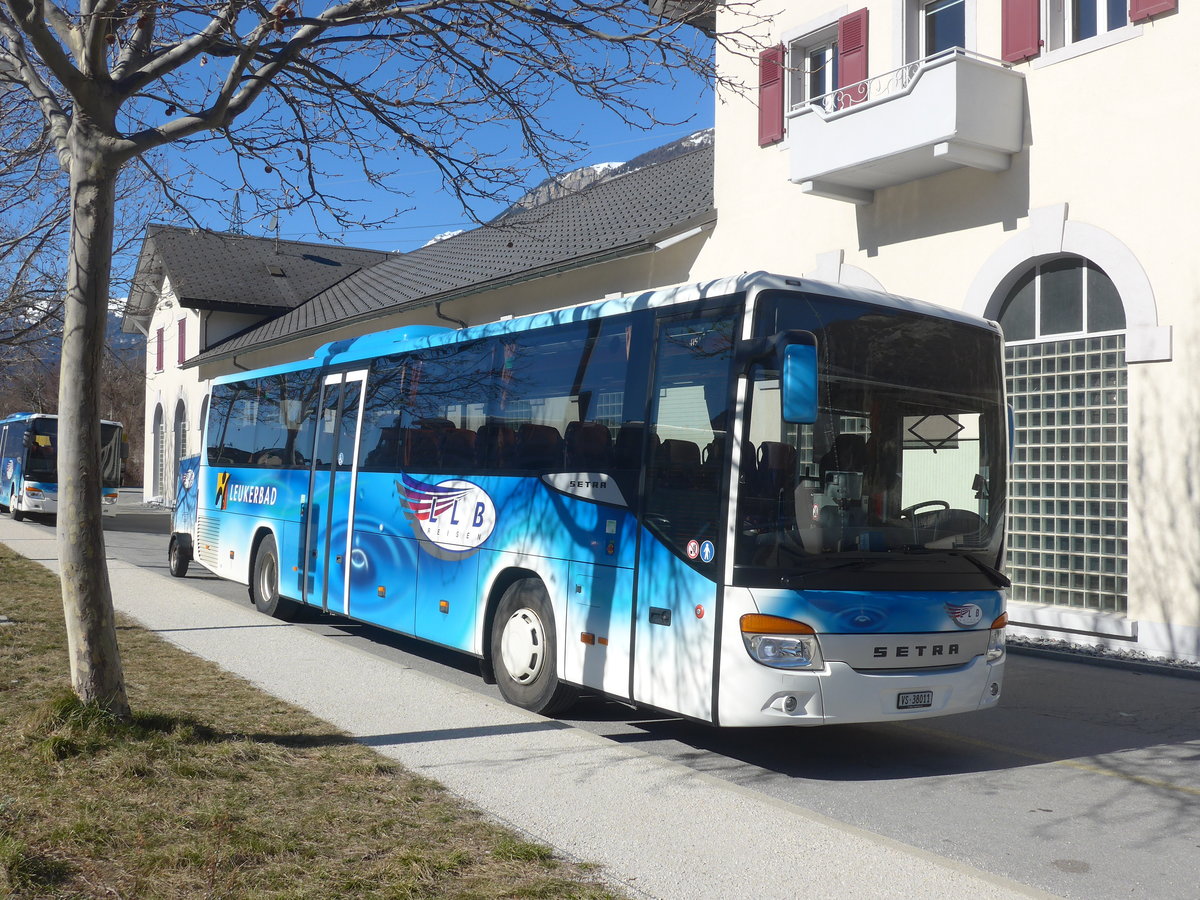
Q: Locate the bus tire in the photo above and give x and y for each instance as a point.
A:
(264, 581)
(14, 511)
(524, 650)
(177, 558)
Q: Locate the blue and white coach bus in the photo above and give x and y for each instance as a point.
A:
(29, 464)
(756, 501)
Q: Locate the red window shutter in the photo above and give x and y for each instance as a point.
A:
(158, 351)
(1020, 29)
(770, 96)
(852, 57)
(182, 340)
(1141, 10)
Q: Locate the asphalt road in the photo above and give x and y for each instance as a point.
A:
(1085, 782)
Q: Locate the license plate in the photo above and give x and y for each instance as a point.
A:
(914, 699)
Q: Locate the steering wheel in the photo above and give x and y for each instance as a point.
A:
(909, 511)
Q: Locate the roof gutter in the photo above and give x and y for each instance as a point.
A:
(683, 236)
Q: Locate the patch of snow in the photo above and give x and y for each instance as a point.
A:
(443, 236)
(1085, 650)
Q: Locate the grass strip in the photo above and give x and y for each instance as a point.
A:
(216, 789)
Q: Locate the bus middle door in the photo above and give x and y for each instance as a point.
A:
(329, 516)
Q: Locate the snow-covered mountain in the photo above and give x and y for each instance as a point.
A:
(586, 176)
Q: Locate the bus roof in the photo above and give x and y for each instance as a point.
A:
(25, 416)
(412, 337)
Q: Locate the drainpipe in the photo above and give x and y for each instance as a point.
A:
(437, 307)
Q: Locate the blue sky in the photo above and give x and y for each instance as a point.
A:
(433, 211)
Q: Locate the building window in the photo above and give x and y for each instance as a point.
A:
(158, 472)
(823, 62)
(812, 67)
(1067, 295)
(181, 351)
(1072, 21)
(1030, 26)
(1092, 17)
(180, 434)
(158, 350)
(943, 26)
(1067, 382)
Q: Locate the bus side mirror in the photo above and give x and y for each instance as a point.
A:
(27, 440)
(124, 447)
(799, 383)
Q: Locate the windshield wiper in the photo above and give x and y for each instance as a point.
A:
(996, 575)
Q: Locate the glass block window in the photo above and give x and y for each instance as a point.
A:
(1069, 490)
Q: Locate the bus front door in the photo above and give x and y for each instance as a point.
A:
(681, 553)
(329, 515)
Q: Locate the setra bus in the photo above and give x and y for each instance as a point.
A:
(755, 501)
(29, 464)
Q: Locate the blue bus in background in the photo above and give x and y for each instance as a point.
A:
(29, 464)
(755, 501)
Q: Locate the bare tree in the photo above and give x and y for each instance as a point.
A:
(33, 224)
(112, 81)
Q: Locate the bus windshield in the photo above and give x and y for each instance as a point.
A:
(900, 481)
(42, 459)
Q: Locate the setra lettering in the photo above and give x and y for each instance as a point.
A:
(902, 652)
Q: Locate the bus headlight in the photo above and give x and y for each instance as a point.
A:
(781, 643)
(35, 493)
(995, 648)
(110, 498)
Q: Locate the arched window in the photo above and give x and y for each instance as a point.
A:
(1063, 323)
(180, 441)
(159, 460)
(1068, 295)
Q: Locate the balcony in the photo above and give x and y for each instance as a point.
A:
(949, 110)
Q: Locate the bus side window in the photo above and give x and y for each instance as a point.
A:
(270, 431)
(218, 419)
(382, 426)
(303, 389)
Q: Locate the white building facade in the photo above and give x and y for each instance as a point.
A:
(1031, 161)
(173, 399)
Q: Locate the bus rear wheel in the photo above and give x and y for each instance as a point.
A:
(177, 558)
(264, 582)
(524, 652)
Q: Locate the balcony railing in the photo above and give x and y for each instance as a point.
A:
(950, 109)
(881, 88)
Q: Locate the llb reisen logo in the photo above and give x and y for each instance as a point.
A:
(455, 516)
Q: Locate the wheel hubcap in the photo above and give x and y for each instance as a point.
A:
(266, 581)
(523, 646)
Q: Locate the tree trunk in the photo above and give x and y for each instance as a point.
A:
(96, 672)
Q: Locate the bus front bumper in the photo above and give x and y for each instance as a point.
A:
(40, 502)
(755, 695)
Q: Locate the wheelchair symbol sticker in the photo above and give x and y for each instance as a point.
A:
(707, 552)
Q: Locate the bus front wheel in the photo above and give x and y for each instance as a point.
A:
(13, 510)
(523, 650)
(264, 581)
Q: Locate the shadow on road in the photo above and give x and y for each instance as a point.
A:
(1052, 710)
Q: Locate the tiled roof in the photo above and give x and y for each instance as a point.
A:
(626, 215)
(239, 273)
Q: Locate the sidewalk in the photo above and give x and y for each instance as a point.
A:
(657, 828)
